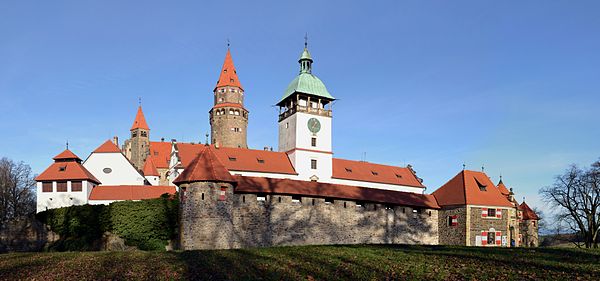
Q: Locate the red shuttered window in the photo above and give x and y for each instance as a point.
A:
(76, 186)
(453, 220)
(222, 193)
(61, 186)
(47, 187)
(484, 212)
(499, 213)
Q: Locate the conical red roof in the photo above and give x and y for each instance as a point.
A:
(107, 147)
(205, 167)
(228, 75)
(66, 155)
(140, 121)
(528, 213)
(149, 168)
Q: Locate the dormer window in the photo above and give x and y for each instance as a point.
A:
(482, 187)
(62, 168)
(232, 158)
(348, 170)
(260, 160)
(398, 176)
(374, 173)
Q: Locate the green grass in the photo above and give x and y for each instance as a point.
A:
(361, 262)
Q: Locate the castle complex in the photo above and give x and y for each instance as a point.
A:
(233, 197)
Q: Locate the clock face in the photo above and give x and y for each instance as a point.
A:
(314, 125)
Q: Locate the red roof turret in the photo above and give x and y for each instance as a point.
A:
(228, 75)
(205, 167)
(140, 121)
(528, 213)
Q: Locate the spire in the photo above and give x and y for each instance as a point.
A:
(305, 58)
(228, 75)
(140, 120)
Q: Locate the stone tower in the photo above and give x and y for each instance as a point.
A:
(137, 147)
(228, 117)
(305, 118)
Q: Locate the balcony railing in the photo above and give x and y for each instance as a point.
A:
(299, 108)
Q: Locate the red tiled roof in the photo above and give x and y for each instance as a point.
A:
(129, 192)
(228, 75)
(528, 213)
(370, 172)
(241, 159)
(67, 166)
(160, 152)
(227, 104)
(502, 188)
(107, 147)
(66, 155)
(319, 189)
(140, 120)
(205, 167)
(149, 168)
(464, 189)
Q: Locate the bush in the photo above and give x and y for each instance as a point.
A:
(147, 224)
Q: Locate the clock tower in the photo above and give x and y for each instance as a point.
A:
(305, 123)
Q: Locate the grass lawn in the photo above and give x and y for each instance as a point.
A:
(362, 262)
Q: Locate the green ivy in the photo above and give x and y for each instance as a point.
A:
(146, 224)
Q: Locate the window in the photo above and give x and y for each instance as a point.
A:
(260, 161)
(76, 186)
(107, 170)
(62, 168)
(482, 187)
(222, 193)
(416, 212)
(233, 159)
(231, 111)
(133, 134)
(287, 125)
(491, 237)
(313, 141)
(313, 164)
(237, 112)
(453, 220)
(144, 134)
(491, 213)
(328, 201)
(374, 173)
(296, 199)
(261, 198)
(348, 170)
(237, 130)
(155, 153)
(359, 204)
(388, 207)
(47, 187)
(398, 176)
(61, 186)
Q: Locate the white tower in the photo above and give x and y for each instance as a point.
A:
(305, 124)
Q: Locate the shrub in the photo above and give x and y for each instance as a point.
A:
(146, 224)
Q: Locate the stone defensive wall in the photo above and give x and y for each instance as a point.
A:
(221, 216)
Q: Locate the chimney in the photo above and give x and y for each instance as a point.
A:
(271, 148)
(116, 140)
(173, 141)
(162, 139)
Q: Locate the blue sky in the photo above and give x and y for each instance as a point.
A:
(512, 85)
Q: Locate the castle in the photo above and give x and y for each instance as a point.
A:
(232, 196)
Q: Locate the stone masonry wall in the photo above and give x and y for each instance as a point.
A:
(529, 231)
(453, 235)
(478, 223)
(243, 221)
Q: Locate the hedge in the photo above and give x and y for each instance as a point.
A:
(146, 224)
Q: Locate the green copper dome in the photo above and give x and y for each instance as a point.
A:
(306, 82)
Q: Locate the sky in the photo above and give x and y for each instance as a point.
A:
(511, 86)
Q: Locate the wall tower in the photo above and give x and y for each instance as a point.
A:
(305, 123)
(228, 117)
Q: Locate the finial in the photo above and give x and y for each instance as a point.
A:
(206, 141)
(306, 40)
(228, 43)
(482, 168)
(464, 166)
(140, 101)
(67, 145)
(500, 176)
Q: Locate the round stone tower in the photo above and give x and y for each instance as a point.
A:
(228, 117)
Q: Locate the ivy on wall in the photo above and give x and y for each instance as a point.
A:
(146, 224)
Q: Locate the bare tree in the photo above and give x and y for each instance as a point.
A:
(576, 194)
(17, 194)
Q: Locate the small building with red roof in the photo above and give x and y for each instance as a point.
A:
(529, 226)
(66, 182)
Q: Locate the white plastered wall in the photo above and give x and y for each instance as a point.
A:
(122, 172)
(55, 199)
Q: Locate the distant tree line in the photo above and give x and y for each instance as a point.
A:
(17, 190)
(576, 196)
